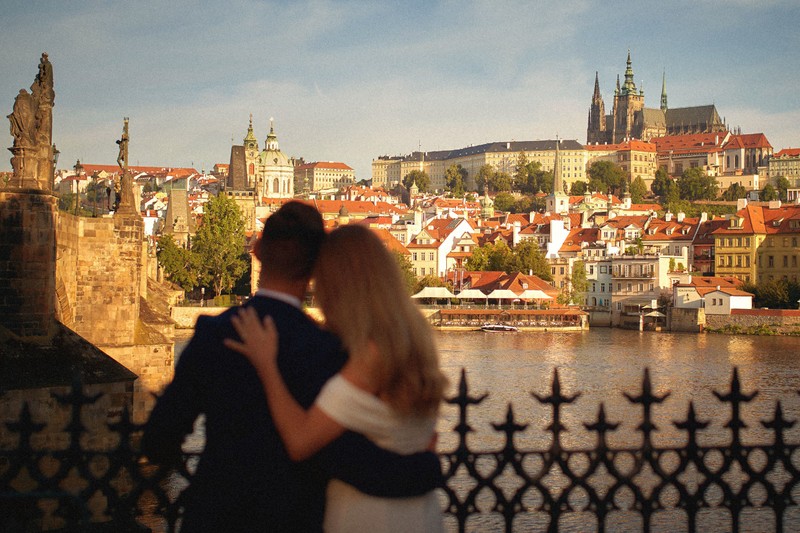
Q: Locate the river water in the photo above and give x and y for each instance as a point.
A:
(601, 364)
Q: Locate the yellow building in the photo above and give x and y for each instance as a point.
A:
(761, 243)
(503, 156)
(786, 163)
(322, 175)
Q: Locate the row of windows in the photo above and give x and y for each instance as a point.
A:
(421, 256)
(771, 263)
(628, 287)
(735, 241)
(738, 260)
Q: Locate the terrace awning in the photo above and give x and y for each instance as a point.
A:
(471, 294)
(434, 292)
(534, 294)
(503, 294)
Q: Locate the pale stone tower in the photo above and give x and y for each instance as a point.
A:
(250, 144)
(627, 102)
(558, 201)
(596, 130)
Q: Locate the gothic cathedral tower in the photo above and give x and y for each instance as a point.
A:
(596, 130)
(627, 103)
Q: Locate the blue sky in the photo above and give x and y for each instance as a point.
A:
(349, 81)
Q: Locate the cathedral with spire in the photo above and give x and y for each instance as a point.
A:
(630, 119)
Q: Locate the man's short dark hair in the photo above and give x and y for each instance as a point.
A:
(290, 243)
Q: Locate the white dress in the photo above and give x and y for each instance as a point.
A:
(346, 508)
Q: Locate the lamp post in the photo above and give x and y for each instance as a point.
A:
(78, 168)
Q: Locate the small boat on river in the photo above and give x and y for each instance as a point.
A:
(498, 328)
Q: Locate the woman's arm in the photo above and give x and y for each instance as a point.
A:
(303, 432)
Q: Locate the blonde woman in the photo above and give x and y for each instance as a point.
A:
(389, 390)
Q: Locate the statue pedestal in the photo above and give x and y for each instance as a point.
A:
(25, 167)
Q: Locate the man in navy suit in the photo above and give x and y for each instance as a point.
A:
(244, 480)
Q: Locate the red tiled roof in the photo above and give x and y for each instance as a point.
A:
(633, 145)
(788, 152)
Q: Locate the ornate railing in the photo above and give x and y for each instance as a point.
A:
(597, 487)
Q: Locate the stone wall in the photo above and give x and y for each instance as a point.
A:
(102, 293)
(27, 258)
(686, 319)
(780, 320)
(185, 317)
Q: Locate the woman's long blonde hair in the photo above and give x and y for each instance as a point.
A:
(362, 294)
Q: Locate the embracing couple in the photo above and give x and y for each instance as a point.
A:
(310, 428)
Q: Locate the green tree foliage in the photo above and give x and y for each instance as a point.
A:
(526, 257)
(695, 184)
(521, 172)
(734, 192)
(420, 177)
(578, 284)
(774, 294)
(782, 185)
(219, 244)
(494, 180)
(768, 193)
(492, 256)
(606, 177)
(529, 259)
(454, 178)
(523, 204)
(661, 184)
(638, 190)
(180, 265)
(407, 270)
(504, 201)
(484, 177)
(578, 188)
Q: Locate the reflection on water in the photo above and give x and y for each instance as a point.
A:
(602, 363)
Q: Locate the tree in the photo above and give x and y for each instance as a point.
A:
(521, 172)
(420, 177)
(179, 264)
(734, 192)
(661, 184)
(504, 201)
(694, 184)
(219, 244)
(484, 177)
(407, 270)
(454, 178)
(431, 280)
(782, 185)
(578, 188)
(638, 190)
(768, 193)
(606, 177)
(493, 257)
(523, 205)
(531, 260)
(578, 283)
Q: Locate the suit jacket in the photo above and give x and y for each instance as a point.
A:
(244, 479)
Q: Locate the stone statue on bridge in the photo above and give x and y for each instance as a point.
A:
(124, 185)
(31, 124)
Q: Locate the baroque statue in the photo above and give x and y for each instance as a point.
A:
(31, 124)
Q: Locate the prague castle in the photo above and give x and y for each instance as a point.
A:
(630, 119)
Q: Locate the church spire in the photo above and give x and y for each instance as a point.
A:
(558, 185)
(616, 91)
(629, 87)
(250, 140)
(596, 86)
(664, 91)
(272, 139)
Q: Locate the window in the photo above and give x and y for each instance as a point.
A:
(430, 257)
(770, 261)
(785, 260)
(414, 256)
(602, 287)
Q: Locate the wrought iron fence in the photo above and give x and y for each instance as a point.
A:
(600, 487)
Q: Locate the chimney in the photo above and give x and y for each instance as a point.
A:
(681, 216)
(741, 203)
(668, 216)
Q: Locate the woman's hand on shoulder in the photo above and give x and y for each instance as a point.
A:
(259, 339)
